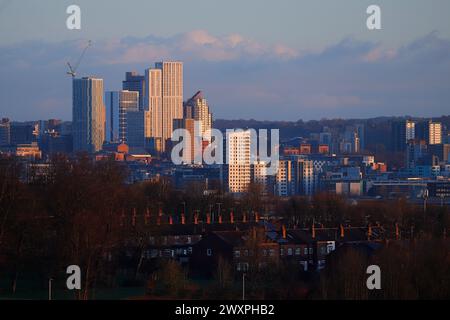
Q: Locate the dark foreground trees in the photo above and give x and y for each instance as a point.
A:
(409, 270)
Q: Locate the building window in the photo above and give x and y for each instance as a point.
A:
(306, 251)
(289, 251)
(209, 252)
(237, 253)
(297, 251)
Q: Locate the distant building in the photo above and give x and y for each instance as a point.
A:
(415, 151)
(112, 116)
(30, 150)
(172, 95)
(197, 108)
(402, 132)
(135, 82)
(22, 133)
(261, 178)
(88, 114)
(5, 132)
(138, 130)
(118, 103)
(441, 151)
(429, 131)
(238, 155)
(192, 152)
(153, 101)
(295, 176)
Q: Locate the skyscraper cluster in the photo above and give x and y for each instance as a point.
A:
(141, 115)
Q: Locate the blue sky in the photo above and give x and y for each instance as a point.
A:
(283, 60)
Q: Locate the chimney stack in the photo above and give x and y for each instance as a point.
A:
(147, 216)
(313, 231)
(283, 230)
(369, 232)
(183, 219)
(196, 218)
(397, 232)
(256, 217)
(122, 218)
(170, 220)
(133, 218)
(342, 231)
(208, 218)
(231, 217)
(244, 218)
(220, 219)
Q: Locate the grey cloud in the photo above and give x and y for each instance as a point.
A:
(242, 78)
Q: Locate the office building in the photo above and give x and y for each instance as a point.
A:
(118, 103)
(135, 82)
(137, 131)
(112, 116)
(88, 114)
(401, 133)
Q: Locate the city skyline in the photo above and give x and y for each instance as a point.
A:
(346, 72)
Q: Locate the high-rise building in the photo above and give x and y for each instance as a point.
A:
(5, 132)
(153, 101)
(430, 131)
(112, 116)
(88, 114)
(361, 130)
(137, 131)
(401, 133)
(135, 82)
(261, 177)
(238, 156)
(128, 101)
(197, 108)
(295, 176)
(172, 95)
(415, 152)
(117, 104)
(22, 133)
(191, 151)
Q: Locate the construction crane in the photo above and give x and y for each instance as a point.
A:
(73, 70)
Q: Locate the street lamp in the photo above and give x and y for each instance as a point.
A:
(184, 207)
(425, 198)
(243, 286)
(50, 289)
(219, 203)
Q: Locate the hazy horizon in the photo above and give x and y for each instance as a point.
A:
(275, 61)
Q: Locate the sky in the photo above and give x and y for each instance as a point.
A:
(266, 60)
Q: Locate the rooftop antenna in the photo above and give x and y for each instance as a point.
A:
(73, 70)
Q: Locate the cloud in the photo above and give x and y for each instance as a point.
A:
(189, 46)
(242, 77)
